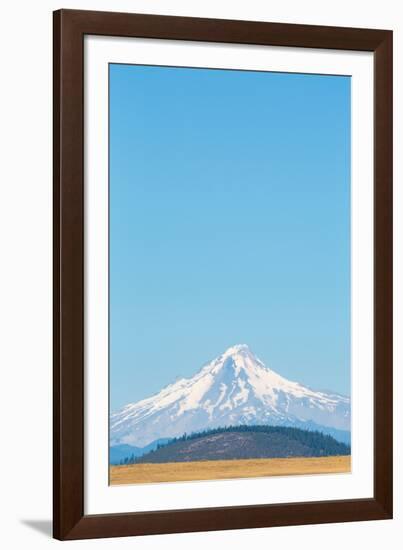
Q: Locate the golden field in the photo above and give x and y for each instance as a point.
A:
(227, 469)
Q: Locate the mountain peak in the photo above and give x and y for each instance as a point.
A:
(236, 359)
(234, 350)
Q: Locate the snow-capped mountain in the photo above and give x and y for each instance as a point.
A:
(235, 388)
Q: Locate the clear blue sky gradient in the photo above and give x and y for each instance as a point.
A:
(229, 223)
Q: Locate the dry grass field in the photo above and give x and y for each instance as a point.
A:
(227, 469)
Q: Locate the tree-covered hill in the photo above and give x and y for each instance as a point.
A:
(242, 442)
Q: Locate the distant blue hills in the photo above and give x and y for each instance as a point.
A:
(118, 453)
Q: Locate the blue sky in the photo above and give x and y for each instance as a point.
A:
(229, 223)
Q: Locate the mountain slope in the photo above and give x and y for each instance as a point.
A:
(245, 442)
(235, 388)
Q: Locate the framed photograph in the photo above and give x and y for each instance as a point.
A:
(222, 274)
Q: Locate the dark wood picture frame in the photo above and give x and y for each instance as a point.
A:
(70, 27)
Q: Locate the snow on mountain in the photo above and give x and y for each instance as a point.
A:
(235, 388)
